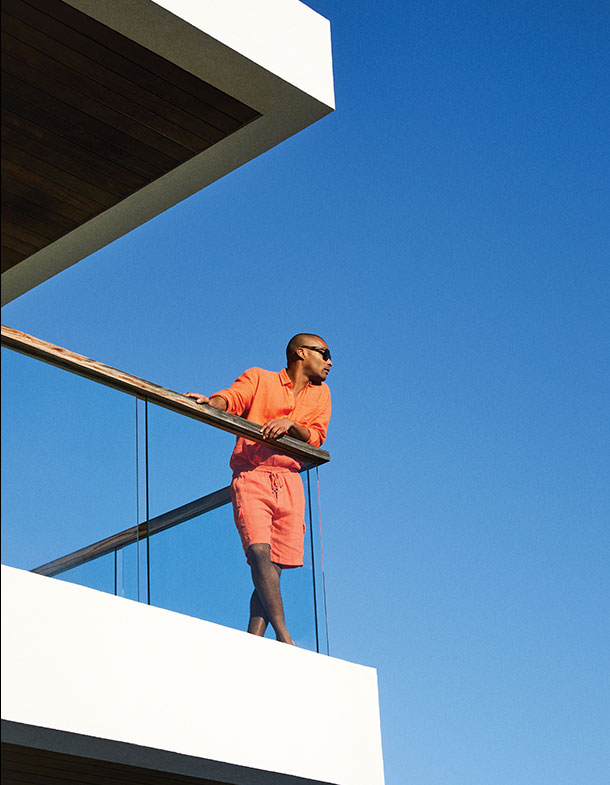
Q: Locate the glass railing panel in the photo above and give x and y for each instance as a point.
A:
(198, 568)
(68, 462)
(186, 459)
(298, 592)
(131, 577)
(315, 536)
(98, 574)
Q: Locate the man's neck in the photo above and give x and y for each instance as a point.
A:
(298, 378)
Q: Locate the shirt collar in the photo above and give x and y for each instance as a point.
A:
(285, 379)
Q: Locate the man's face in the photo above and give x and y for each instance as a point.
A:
(315, 366)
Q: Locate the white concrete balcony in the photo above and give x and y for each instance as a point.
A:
(111, 680)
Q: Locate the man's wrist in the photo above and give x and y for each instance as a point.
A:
(300, 432)
(219, 402)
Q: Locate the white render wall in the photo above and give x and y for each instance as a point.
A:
(80, 661)
(285, 37)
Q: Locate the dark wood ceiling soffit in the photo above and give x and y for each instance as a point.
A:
(88, 118)
(22, 765)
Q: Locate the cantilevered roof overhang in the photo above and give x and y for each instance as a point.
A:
(113, 112)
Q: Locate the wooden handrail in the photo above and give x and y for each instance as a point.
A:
(125, 382)
(128, 536)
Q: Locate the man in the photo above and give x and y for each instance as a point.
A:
(267, 492)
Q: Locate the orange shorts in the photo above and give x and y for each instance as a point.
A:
(269, 507)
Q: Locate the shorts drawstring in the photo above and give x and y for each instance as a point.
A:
(277, 481)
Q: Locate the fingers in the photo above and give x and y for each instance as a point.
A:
(273, 429)
(267, 429)
(198, 398)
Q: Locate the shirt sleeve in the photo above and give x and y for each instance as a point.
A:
(240, 394)
(317, 423)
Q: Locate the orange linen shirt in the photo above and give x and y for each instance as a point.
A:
(258, 396)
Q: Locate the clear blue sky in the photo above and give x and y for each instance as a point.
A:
(447, 231)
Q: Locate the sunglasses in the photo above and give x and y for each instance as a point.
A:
(324, 352)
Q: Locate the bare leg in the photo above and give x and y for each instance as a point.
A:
(258, 622)
(266, 578)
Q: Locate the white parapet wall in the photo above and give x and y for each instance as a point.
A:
(158, 689)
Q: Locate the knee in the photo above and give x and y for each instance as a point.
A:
(259, 554)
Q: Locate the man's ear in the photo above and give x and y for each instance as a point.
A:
(300, 353)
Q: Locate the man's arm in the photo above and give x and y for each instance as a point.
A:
(273, 429)
(217, 401)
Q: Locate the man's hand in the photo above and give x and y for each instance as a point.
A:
(272, 429)
(217, 401)
(198, 398)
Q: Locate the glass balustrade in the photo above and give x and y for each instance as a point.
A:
(108, 490)
(68, 469)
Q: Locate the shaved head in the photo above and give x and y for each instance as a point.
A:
(301, 339)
